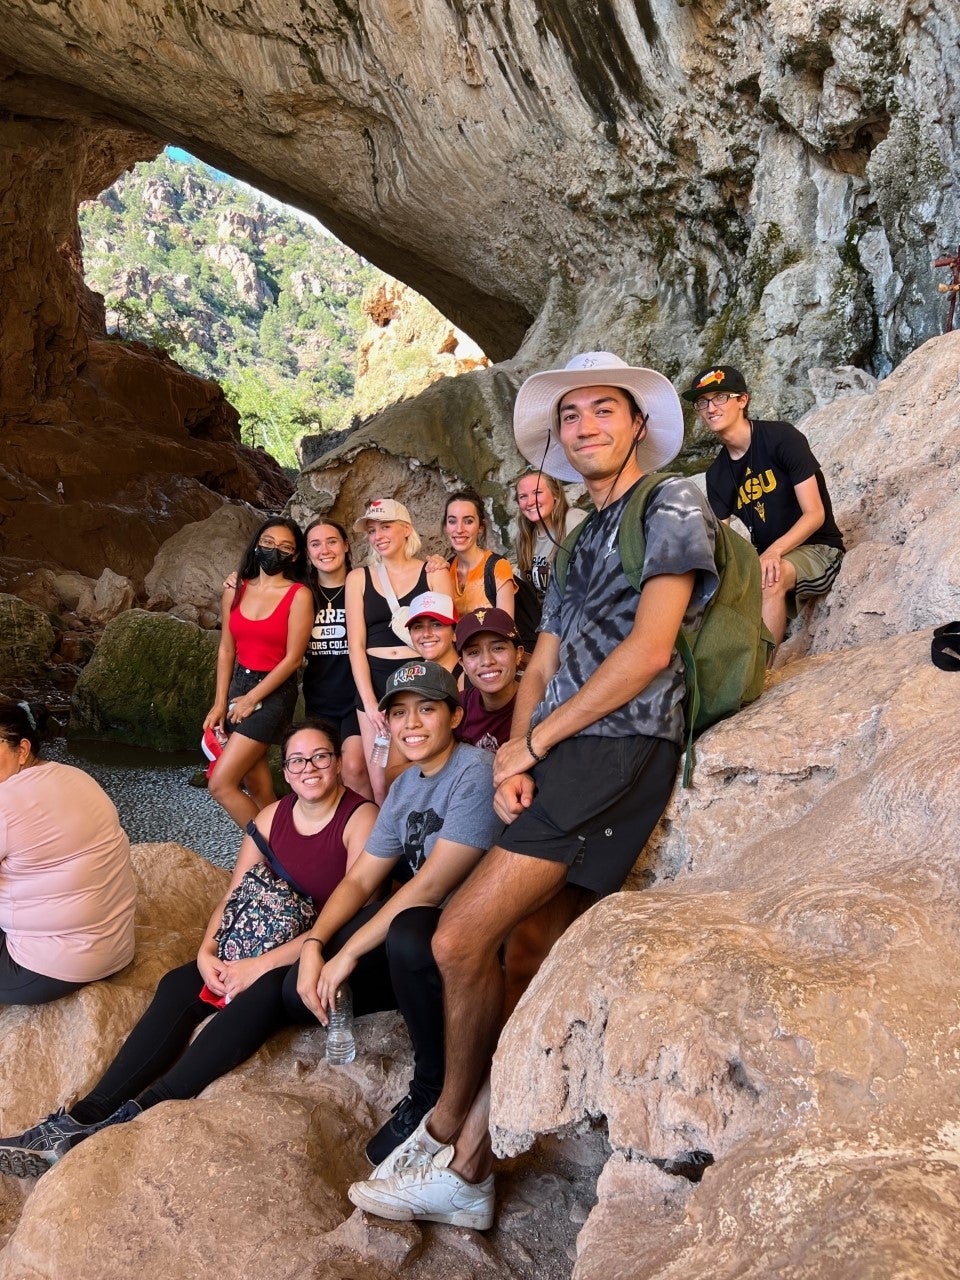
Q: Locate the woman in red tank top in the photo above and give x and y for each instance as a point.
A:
(265, 626)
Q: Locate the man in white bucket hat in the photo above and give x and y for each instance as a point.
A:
(591, 761)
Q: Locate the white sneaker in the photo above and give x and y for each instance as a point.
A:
(429, 1192)
(419, 1148)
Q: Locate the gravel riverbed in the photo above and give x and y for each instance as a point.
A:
(154, 796)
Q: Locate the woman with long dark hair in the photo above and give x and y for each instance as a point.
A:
(329, 689)
(465, 527)
(67, 892)
(265, 626)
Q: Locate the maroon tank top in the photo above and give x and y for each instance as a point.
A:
(319, 862)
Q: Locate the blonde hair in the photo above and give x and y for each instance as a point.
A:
(555, 522)
(410, 547)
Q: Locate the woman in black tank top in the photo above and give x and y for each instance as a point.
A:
(376, 634)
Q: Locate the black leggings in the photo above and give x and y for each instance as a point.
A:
(157, 1062)
(401, 974)
(22, 986)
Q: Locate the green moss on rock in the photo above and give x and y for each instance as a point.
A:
(26, 639)
(150, 682)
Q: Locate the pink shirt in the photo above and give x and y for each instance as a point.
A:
(67, 891)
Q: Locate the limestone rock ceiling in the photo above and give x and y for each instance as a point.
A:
(680, 179)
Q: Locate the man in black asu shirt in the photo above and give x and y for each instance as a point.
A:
(767, 476)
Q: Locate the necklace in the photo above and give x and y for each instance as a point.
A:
(329, 599)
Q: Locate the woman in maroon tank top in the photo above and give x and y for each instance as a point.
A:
(317, 833)
(265, 626)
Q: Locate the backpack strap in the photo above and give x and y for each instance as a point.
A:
(561, 561)
(490, 578)
(632, 545)
(271, 859)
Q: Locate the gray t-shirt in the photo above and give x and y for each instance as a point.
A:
(598, 606)
(455, 803)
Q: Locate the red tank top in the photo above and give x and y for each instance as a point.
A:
(318, 863)
(262, 643)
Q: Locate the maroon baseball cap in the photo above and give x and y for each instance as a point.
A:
(497, 621)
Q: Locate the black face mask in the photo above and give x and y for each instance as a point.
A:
(272, 561)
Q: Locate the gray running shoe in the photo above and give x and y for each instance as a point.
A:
(129, 1111)
(30, 1154)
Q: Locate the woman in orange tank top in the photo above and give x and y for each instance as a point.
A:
(265, 626)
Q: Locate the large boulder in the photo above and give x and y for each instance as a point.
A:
(190, 567)
(252, 1175)
(780, 998)
(150, 682)
(27, 640)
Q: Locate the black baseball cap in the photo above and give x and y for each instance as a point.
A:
(719, 377)
(426, 678)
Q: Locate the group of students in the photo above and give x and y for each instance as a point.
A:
(495, 854)
(411, 650)
(296, 600)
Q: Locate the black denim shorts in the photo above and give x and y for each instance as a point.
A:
(275, 715)
(596, 805)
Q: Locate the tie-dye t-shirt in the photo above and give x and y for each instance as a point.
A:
(599, 605)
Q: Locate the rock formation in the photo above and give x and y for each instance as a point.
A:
(26, 639)
(150, 682)
(674, 180)
(408, 345)
(677, 182)
(190, 567)
(783, 997)
(105, 448)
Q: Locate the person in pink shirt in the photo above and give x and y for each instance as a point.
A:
(67, 891)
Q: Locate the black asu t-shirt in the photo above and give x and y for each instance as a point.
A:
(759, 487)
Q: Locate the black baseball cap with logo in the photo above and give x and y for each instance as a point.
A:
(428, 679)
(719, 377)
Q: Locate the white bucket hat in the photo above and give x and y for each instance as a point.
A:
(535, 413)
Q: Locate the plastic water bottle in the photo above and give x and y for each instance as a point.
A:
(341, 1046)
(381, 750)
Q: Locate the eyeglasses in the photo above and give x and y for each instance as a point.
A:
(268, 544)
(319, 760)
(720, 399)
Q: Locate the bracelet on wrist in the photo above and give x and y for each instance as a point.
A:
(529, 741)
(316, 940)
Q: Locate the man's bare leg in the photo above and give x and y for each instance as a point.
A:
(501, 891)
(528, 945)
(532, 939)
(774, 604)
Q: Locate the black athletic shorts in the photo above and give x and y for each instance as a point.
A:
(596, 805)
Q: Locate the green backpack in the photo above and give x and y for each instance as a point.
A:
(725, 659)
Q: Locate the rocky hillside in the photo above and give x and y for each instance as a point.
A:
(234, 289)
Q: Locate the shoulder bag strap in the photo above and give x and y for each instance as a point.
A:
(271, 859)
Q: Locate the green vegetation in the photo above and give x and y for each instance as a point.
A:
(235, 289)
